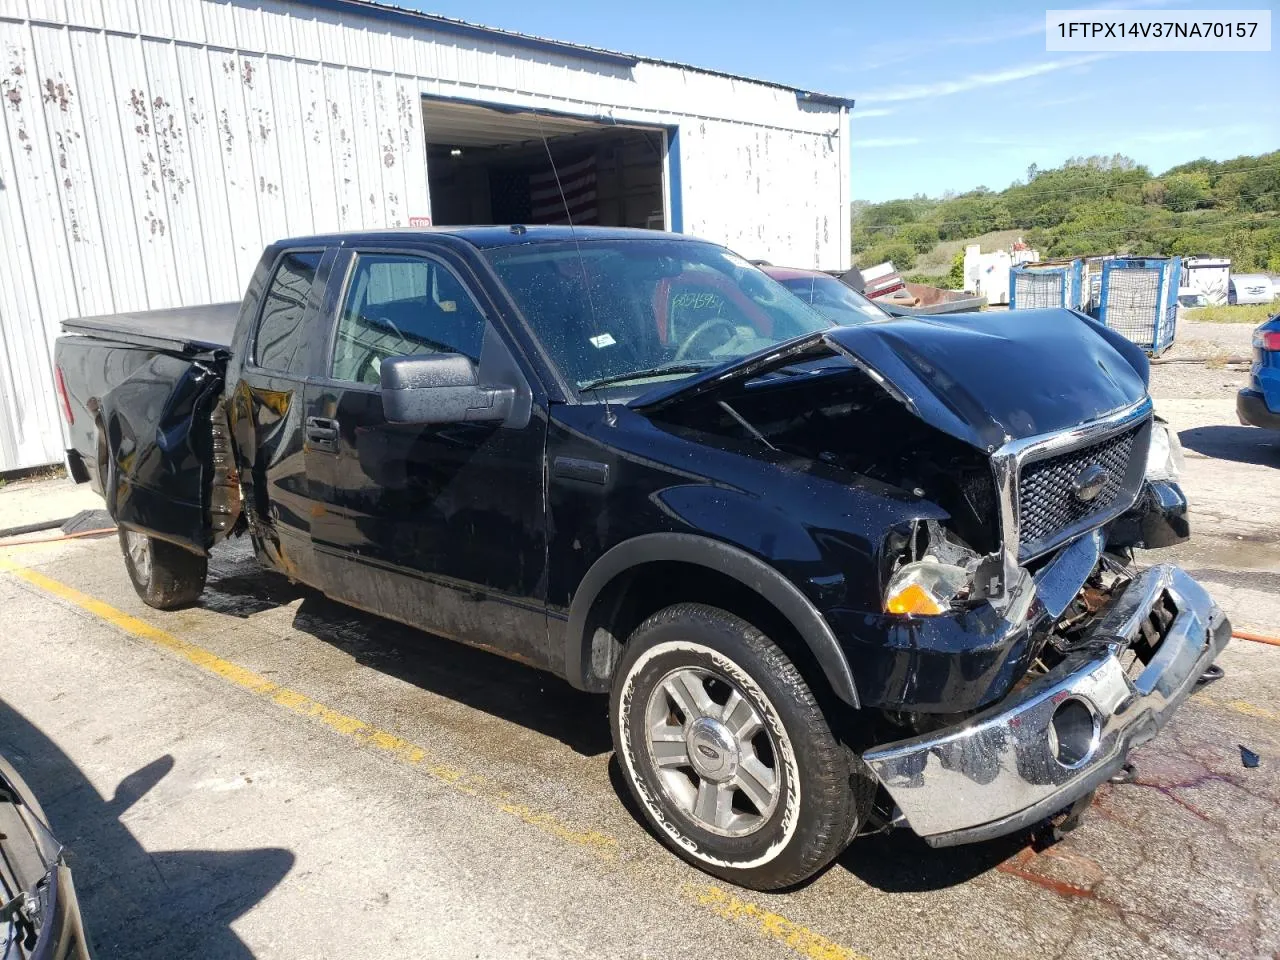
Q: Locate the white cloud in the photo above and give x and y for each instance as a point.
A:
(974, 81)
(877, 142)
(1029, 28)
(857, 114)
(1001, 31)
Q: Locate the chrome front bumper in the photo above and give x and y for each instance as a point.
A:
(1001, 770)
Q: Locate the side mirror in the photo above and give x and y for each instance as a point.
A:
(439, 388)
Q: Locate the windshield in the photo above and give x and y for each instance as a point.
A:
(834, 300)
(649, 309)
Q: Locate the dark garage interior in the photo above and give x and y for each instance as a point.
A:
(491, 166)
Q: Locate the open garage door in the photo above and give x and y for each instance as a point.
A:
(488, 165)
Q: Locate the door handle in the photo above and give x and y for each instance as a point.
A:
(322, 433)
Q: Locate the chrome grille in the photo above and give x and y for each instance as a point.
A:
(1047, 504)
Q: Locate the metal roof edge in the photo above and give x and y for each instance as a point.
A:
(826, 99)
(388, 11)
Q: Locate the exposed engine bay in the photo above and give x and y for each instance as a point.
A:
(838, 415)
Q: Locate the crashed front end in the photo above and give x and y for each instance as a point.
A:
(1054, 740)
(1095, 656)
(1002, 642)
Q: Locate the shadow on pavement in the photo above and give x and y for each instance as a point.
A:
(135, 902)
(1241, 444)
(480, 680)
(900, 862)
(896, 862)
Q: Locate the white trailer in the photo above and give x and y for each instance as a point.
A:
(1210, 276)
(1250, 288)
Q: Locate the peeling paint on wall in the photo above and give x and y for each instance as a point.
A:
(224, 124)
(146, 171)
(58, 92)
(11, 83)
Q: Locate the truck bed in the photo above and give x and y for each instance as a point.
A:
(202, 329)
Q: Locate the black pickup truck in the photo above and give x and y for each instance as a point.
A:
(835, 579)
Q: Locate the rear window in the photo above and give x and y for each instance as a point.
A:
(279, 344)
(834, 300)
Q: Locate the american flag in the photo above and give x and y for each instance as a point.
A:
(578, 180)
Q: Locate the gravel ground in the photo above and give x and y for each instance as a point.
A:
(1213, 343)
(1210, 339)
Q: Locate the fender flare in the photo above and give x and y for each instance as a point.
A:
(724, 558)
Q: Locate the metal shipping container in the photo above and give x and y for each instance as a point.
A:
(1045, 285)
(1139, 299)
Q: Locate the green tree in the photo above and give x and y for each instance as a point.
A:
(902, 255)
(971, 214)
(955, 276)
(1098, 205)
(1185, 191)
(922, 237)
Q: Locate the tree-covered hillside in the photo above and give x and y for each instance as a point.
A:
(1093, 205)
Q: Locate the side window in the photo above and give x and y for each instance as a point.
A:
(402, 306)
(279, 344)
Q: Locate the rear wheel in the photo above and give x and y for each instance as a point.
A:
(727, 752)
(165, 576)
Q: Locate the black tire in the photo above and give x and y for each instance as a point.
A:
(820, 793)
(166, 576)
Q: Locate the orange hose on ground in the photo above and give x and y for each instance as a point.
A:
(1256, 638)
(61, 536)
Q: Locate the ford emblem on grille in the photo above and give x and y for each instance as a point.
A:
(1090, 482)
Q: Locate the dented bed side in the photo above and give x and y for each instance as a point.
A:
(142, 424)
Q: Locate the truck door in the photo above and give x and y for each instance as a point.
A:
(266, 408)
(439, 526)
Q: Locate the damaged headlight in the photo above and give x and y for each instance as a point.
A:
(925, 587)
(1164, 455)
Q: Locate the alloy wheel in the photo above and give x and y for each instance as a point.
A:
(713, 751)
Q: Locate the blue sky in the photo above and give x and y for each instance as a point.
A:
(950, 96)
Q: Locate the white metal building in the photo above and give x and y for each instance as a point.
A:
(150, 148)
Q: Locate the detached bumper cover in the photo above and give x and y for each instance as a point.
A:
(1158, 519)
(999, 771)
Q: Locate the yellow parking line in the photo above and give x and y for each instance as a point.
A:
(299, 703)
(772, 926)
(1234, 704)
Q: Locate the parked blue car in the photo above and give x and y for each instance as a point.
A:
(1259, 403)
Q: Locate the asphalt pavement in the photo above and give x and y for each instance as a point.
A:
(270, 774)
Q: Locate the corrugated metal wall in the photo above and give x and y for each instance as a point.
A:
(151, 148)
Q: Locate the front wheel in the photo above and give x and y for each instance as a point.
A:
(727, 752)
(165, 576)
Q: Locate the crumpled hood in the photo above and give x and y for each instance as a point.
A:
(984, 378)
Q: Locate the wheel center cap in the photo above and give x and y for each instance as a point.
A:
(713, 751)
